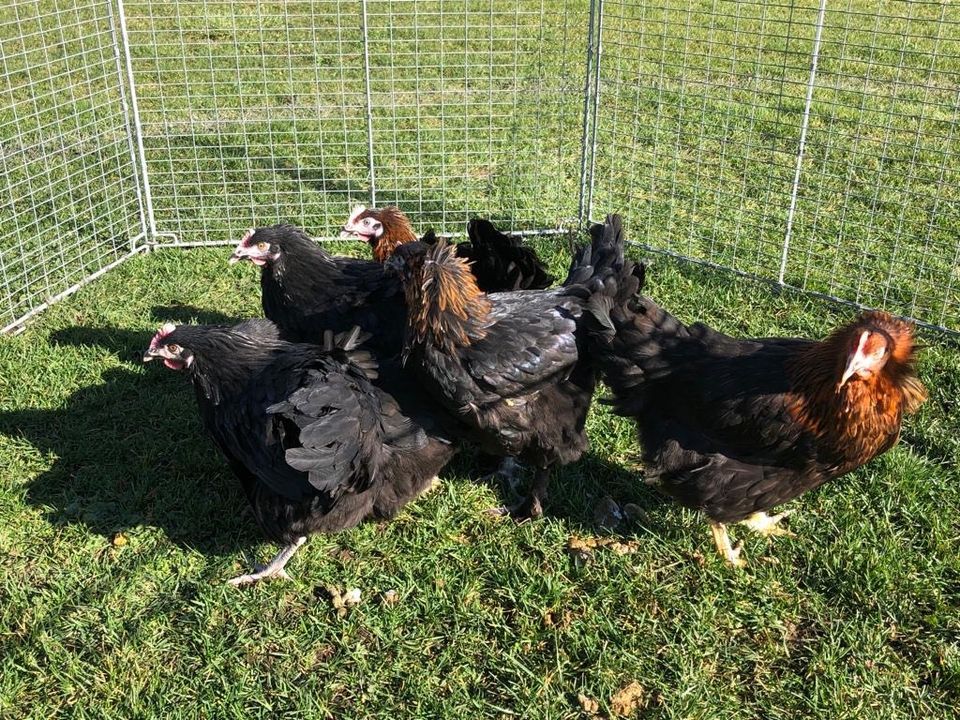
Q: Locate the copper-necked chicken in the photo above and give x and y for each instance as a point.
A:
(318, 442)
(499, 262)
(512, 366)
(736, 427)
(305, 290)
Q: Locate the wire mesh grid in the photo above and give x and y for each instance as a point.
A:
(69, 203)
(809, 143)
(266, 111)
(812, 143)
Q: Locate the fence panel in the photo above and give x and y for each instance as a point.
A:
(69, 190)
(701, 111)
(254, 113)
(878, 214)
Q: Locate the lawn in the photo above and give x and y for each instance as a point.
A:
(121, 524)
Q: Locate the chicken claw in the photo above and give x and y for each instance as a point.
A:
(769, 525)
(273, 569)
(730, 553)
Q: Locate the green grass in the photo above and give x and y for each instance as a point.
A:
(120, 524)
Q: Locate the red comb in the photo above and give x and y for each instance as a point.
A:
(357, 211)
(161, 334)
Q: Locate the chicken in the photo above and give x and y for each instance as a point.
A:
(499, 262)
(307, 291)
(317, 444)
(736, 427)
(510, 365)
(384, 229)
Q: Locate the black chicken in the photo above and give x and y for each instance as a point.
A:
(317, 446)
(501, 262)
(512, 366)
(305, 290)
(736, 427)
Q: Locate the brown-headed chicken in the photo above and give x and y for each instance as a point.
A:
(735, 427)
(511, 366)
(499, 262)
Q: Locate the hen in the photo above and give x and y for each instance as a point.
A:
(736, 427)
(316, 445)
(305, 290)
(512, 366)
(499, 262)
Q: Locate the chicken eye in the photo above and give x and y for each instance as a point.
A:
(262, 246)
(174, 348)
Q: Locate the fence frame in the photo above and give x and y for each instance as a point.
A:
(151, 236)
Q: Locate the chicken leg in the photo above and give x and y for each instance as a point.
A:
(530, 507)
(730, 553)
(272, 569)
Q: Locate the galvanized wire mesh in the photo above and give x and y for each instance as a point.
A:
(69, 203)
(296, 110)
(810, 143)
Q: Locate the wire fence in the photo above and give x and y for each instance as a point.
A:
(69, 191)
(808, 143)
(298, 110)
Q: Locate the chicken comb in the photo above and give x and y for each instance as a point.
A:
(165, 330)
(355, 214)
(246, 236)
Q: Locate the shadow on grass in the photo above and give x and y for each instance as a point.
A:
(130, 452)
(184, 314)
(576, 492)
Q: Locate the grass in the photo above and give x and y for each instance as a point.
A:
(121, 523)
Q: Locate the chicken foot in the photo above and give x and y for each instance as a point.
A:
(530, 507)
(768, 525)
(730, 553)
(273, 569)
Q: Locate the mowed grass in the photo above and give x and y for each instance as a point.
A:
(120, 524)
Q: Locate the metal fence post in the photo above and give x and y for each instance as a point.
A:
(366, 85)
(811, 82)
(149, 222)
(589, 116)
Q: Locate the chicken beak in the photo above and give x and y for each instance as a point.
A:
(156, 354)
(858, 361)
(242, 251)
(239, 253)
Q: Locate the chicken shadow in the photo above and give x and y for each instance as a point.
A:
(184, 314)
(130, 451)
(581, 495)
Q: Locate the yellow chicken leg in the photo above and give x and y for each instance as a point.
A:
(768, 525)
(730, 553)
